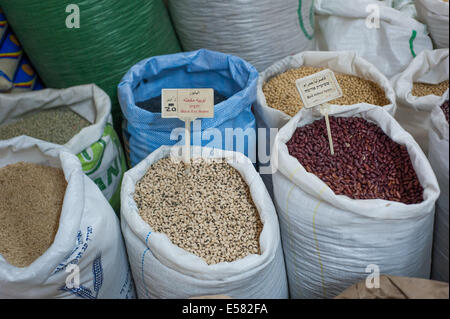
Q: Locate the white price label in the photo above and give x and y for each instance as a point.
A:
(187, 103)
(318, 88)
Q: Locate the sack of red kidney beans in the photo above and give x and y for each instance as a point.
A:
(373, 200)
(367, 163)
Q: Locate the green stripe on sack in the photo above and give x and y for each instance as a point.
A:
(411, 43)
(115, 198)
(98, 151)
(311, 19)
(92, 164)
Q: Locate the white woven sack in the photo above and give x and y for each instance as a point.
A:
(164, 270)
(88, 237)
(329, 240)
(405, 6)
(342, 62)
(261, 32)
(413, 112)
(438, 156)
(97, 146)
(434, 13)
(344, 25)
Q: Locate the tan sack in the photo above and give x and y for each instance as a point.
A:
(392, 287)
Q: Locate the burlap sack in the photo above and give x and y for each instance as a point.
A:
(392, 287)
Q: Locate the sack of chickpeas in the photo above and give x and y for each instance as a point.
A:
(439, 157)
(367, 209)
(434, 13)
(421, 87)
(207, 227)
(278, 98)
(77, 118)
(384, 36)
(59, 236)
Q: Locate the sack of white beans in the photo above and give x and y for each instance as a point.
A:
(438, 155)
(382, 35)
(273, 115)
(434, 13)
(368, 209)
(163, 269)
(87, 257)
(260, 33)
(416, 94)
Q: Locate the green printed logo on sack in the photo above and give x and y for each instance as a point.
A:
(104, 163)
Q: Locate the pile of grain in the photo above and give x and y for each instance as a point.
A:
(281, 92)
(423, 89)
(31, 198)
(207, 211)
(55, 126)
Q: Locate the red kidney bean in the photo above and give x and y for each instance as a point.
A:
(367, 164)
(444, 108)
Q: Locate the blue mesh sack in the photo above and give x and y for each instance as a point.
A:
(231, 77)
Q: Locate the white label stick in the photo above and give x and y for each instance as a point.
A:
(324, 111)
(187, 146)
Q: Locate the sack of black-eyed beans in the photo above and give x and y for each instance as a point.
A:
(439, 156)
(366, 210)
(419, 89)
(260, 32)
(382, 35)
(434, 13)
(78, 118)
(278, 98)
(59, 236)
(207, 227)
